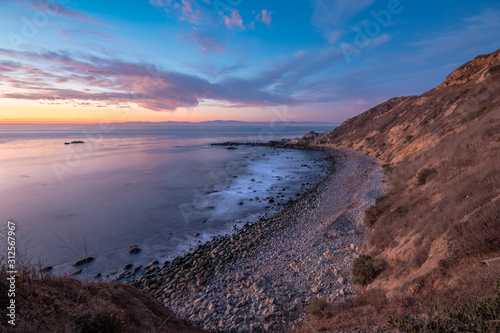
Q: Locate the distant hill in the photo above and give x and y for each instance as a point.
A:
(239, 123)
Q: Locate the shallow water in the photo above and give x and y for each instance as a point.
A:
(149, 185)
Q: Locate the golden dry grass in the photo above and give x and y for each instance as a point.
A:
(443, 214)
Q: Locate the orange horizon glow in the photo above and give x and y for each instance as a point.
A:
(16, 112)
(21, 112)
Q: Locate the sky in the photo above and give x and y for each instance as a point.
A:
(69, 61)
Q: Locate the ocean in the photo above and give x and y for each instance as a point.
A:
(161, 187)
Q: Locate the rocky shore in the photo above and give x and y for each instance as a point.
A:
(262, 277)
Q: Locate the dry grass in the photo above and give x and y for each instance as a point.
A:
(45, 303)
(443, 213)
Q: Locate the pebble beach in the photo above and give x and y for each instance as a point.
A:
(262, 277)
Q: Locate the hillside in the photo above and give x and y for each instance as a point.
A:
(46, 303)
(441, 217)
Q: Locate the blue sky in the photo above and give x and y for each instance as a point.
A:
(233, 59)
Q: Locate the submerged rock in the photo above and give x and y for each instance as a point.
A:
(76, 272)
(84, 261)
(134, 249)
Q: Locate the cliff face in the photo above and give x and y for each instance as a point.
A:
(403, 126)
(441, 153)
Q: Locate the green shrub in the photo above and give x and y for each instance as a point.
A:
(474, 115)
(373, 213)
(477, 316)
(366, 268)
(371, 216)
(423, 174)
(319, 307)
(400, 211)
(377, 155)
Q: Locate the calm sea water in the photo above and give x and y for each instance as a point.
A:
(149, 185)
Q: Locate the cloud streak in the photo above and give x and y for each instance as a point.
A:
(55, 8)
(327, 14)
(115, 82)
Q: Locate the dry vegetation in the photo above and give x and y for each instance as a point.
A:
(45, 303)
(439, 220)
(441, 215)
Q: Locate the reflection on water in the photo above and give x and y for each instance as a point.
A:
(148, 185)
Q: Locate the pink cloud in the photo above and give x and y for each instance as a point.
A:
(265, 16)
(125, 82)
(207, 42)
(189, 13)
(189, 9)
(327, 14)
(57, 9)
(234, 21)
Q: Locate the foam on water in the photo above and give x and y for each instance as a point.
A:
(154, 190)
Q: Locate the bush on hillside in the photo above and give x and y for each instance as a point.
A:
(373, 213)
(423, 174)
(319, 307)
(366, 268)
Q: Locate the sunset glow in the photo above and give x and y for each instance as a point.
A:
(190, 60)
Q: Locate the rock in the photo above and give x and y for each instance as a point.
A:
(84, 261)
(127, 266)
(315, 289)
(240, 277)
(97, 276)
(76, 272)
(201, 281)
(46, 269)
(200, 263)
(134, 249)
(196, 234)
(341, 280)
